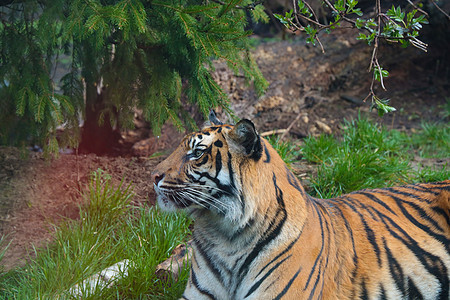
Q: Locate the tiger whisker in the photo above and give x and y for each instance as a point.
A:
(205, 197)
(190, 197)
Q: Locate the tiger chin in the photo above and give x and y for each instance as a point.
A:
(258, 235)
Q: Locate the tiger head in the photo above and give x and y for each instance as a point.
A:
(203, 176)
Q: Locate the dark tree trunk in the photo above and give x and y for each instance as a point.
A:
(96, 138)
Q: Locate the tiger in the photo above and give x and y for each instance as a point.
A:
(258, 235)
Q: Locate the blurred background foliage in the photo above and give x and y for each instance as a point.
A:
(91, 63)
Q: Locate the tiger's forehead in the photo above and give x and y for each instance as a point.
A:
(206, 136)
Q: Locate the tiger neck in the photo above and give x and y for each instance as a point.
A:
(265, 212)
(281, 217)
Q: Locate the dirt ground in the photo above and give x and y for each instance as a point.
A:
(309, 92)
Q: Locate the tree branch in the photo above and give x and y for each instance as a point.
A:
(440, 9)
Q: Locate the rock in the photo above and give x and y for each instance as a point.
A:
(305, 119)
(145, 147)
(269, 102)
(323, 127)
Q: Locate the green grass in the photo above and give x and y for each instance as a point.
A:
(108, 231)
(432, 174)
(370, 156)
(433, 141)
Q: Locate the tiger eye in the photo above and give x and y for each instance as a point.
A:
(198, 153)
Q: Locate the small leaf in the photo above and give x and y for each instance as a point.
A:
(359, 23)
(358, 12)
(381, 105)
(377, 71)
(361, 36)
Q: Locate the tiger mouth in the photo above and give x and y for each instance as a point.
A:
(183, 203)
(170, 196)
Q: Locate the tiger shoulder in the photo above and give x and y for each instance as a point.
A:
(258, 235)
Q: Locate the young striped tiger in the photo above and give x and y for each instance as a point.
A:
(258, 235)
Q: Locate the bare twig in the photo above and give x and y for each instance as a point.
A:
(331, 6)
(291, 125)
(171, 267)
(320, 44)
(375, 46)
(314, 22)
(273, 132)
(296, 15)
(418, 8)
(311, 9)
(440, 9)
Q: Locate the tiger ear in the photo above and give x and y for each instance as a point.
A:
(213, 118)
(245, 138)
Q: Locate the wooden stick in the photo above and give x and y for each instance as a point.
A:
(273, 132)
(291, 125)
(172, 266)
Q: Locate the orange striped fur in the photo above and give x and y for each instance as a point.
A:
(258, 235)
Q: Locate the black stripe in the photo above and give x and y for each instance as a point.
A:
(372, 212)
(266, 151)
(327, 227)
(446, 183)
(286, 288)
(197, 286)
(321, 210)
(421, 189)
(274, 229)
(209, 262)
(369, 232)
(395, 269)
(444, 214)
(420, 211)
(256, 285)
(218, 163)
(282, 253)
(406, 194)
(424, 215)
(433, 264)
(374, 198)
(321, 248)
(383, 293)
(441, 188)
(413, 291)
(230, 170)
(224, 188)
(350, 231)
(218, 143)
(293, 181)
(365, 293)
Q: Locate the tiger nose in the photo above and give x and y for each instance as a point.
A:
(156, 177)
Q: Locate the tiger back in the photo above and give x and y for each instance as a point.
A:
(258, 235)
